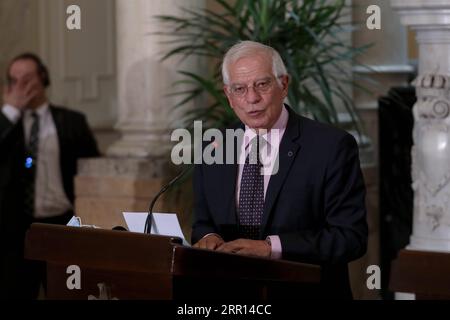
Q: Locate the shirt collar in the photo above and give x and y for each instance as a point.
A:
(280, 126)
(41, 110)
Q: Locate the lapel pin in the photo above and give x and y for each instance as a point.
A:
(290, 154)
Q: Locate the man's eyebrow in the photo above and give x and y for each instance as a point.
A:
(243, 84)
(29, 74)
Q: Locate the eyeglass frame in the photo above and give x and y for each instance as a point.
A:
(259, 91)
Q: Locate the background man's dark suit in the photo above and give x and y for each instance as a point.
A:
(75, 141)
(315, 203)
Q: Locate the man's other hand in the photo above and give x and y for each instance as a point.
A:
(258, 248)
(210, 242)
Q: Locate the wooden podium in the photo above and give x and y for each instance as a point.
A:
(126, 265)
(424, 273)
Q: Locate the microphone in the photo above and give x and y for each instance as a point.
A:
(119, 228)
(150, 220)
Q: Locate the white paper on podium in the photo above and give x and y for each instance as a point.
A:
(166, 223)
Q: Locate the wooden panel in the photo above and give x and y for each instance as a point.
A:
(106, 285)
(99, 249)
(138, 266)
(192, 262)
(424, 273)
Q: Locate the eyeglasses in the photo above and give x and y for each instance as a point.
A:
(260, 86)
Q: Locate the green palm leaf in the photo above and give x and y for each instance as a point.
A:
(306, 33)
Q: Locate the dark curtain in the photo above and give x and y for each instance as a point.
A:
(396, 195)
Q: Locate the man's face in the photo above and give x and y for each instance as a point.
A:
(23, 76)
(254, 93)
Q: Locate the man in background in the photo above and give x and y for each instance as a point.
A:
(39, 147)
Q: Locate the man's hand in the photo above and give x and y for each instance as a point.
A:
(19, 95)
(211, 242)
(259, 248)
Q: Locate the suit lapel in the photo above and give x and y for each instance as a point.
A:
(230, 180)
(61, 131)
(288, 150)
(58, 120)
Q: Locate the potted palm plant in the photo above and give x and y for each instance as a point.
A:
(308, 35)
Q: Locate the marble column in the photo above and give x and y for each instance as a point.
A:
(144, 81)
(138, 164)
(431, 150)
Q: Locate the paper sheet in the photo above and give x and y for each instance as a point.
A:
(166, 224)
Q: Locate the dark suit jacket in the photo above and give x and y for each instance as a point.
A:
(315, 203)
(75, 141)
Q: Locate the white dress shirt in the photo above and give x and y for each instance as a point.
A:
(50, 198)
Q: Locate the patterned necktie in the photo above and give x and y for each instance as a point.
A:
(251, 194)
(30, 166)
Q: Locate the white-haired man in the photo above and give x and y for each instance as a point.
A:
(312, 210)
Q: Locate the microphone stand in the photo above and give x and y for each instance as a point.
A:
(150, 219)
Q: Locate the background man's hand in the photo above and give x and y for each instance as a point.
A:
(19, 95)
(259, 248)
(211, 242)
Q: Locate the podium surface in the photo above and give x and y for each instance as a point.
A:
(124, 265)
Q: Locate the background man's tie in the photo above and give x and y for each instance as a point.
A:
(30, 166)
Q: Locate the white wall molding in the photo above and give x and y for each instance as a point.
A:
(82, 63)
(384, 68)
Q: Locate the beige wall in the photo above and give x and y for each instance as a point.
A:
(413, 50)
(18, 30)
(81, 63)
(389, 61)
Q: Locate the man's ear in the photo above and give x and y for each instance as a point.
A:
(8, 81)
(285, 80)
(227, 94)
(225, 90)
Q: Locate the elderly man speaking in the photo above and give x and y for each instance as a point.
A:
(312, 209)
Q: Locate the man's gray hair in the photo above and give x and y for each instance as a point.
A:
(249, 49)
